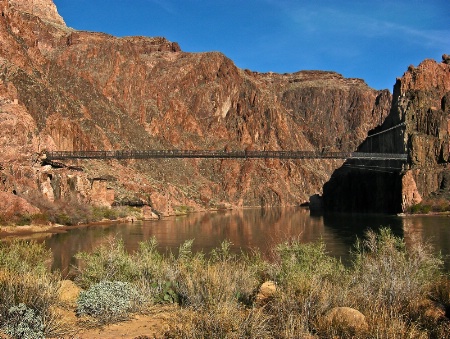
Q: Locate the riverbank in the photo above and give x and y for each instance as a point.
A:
(20, 231)
(302, 292)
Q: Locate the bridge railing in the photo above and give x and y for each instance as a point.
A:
(219, 154)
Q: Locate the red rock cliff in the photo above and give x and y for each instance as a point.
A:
(421, 104)
(71, 90)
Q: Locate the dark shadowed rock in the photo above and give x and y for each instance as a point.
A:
(418, 125)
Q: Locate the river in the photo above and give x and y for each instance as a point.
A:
(251, 229)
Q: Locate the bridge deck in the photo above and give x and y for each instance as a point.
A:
(210, 154)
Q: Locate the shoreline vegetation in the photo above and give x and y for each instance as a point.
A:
(389, 291)
(51, 222)
(64, 214)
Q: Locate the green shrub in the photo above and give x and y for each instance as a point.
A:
(25, 278)
(25, 256)
(222, 278)
(420, 208)
(103, 212)
(107, 262)
(165, 293)
(23, 219)
(108, 301)
(23, 322)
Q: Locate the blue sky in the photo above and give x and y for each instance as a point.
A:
(374, 40)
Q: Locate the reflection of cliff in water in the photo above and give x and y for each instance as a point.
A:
(434, 230)
(247, 230)
(349, 227)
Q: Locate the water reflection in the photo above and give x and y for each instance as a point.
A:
(250, 229)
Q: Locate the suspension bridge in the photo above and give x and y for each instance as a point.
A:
(366, 157)
(218, 154)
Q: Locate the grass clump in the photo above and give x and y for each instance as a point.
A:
(28, 290)
(108, 262)
(222, 278)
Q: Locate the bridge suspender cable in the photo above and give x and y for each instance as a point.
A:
(387, 130)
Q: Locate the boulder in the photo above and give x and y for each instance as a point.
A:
(346, 319)
(432, 311)
(11, 204)
(68, 293)
(266, 291)
(446, 59)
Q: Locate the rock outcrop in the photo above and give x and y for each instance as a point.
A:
(62, 89)
(419, 125)
(44, 9)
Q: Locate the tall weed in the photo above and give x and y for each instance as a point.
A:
(25, 279)
(109, 261)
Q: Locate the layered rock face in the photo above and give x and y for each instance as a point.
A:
(44, 9)
(62, 89)
(421, 105)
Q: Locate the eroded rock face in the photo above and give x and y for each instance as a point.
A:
(92, 91)
(11, 204)
(45, 9)
(419, 125)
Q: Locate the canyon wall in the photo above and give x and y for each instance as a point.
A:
(62, 89)
(418, 125)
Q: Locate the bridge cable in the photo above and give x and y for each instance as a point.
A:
(387, 130)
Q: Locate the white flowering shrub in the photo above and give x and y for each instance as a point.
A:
(108, 301)
(23, 322)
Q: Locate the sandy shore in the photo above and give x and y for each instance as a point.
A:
(45, 230)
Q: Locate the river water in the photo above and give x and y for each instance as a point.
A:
(251, 229)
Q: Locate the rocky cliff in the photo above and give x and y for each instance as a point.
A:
(62, 89)
(421, 105)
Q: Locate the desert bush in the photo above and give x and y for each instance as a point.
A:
(109, 301)
(25, 278)
(65, 211)
(109, 262)
(152, 265)
(389, 280)
(220, 279)
(25, 256)
(223, 320)
(309, 283)
(22, 322)
(388, 274)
